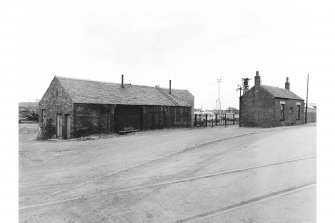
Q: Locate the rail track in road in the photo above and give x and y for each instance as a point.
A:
(106, 192)
(73, 185)
(247, 203)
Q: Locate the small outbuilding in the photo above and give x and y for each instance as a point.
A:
(267, 106)
(76, 107)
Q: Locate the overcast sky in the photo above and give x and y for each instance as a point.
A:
(190, 42)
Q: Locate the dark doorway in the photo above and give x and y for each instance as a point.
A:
(128, 117)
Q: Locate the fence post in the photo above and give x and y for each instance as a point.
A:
(225, 119)
(216, 119)
(234, 119)
(212, 123)
(206, 120)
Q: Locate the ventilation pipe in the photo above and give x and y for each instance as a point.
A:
(170, 87)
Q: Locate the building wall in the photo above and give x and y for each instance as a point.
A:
(257, 108)
(311, 117)
(93, 119)
(55, 101)
(157, 117)
(290, 112)
(311, 114)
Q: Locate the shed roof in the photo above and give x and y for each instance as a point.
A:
(281, 92)
(95, 92)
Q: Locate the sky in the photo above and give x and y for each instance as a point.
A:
(192, 43)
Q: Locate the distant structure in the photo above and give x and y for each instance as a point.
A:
(27, 108)
(311, 112)
(78, 107)
(267, 106)
(231, 110)
(218, 102)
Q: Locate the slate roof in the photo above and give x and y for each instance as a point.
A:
(280, 92)
(95, 92)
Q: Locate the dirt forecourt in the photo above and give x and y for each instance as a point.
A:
(167, 175)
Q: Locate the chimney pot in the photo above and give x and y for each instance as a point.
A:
(122, 81)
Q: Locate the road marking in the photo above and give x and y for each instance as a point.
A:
(164, 183)
(247, 203)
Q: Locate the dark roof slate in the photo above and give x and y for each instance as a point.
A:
(95, 92)
(280, 92)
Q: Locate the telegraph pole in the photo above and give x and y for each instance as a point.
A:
(306, 99)
(239, 108)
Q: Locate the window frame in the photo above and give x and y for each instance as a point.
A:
(282, 111)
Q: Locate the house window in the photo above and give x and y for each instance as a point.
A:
(291, 110)
(282, 112)
(298, 110)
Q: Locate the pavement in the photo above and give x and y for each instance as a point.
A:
(215, 174)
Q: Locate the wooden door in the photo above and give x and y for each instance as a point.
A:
(59, 126)
(68, 126)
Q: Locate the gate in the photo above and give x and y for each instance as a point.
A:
(219, 119)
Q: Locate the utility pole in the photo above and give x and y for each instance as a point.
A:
(306, 99)
(219, 101)
(239, 108)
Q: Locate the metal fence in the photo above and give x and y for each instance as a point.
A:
(221, 119)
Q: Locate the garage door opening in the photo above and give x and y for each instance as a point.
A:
(128, 118)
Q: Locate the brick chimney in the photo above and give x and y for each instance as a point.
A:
(257, 79)
(287, 84)
(170, 87)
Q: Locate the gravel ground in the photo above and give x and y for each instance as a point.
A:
(135, 178)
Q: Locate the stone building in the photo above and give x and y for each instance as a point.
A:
(78, 107)
(267, 106)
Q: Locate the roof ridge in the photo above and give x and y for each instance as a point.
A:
(88, 91)
(274, 91)
(273, 86)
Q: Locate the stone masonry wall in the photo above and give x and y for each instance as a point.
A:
(56, 101)
(290, 112)
(257, 108)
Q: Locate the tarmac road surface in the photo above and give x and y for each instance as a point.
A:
(203, 175)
